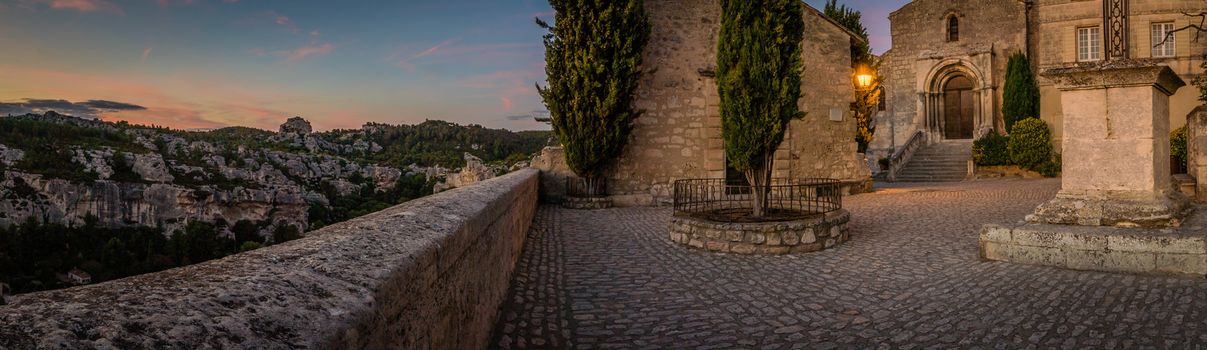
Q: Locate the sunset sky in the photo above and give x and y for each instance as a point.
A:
(211, 63)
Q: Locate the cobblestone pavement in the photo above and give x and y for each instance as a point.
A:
(910, 277)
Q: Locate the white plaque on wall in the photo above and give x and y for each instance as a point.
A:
(836, 114)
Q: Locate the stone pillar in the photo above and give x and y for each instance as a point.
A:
(1116, 147)
(1196, 149)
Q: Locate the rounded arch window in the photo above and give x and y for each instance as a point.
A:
(953, 28)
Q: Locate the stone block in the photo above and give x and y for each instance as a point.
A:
(993, 251)
(773, 238)
(1194, 265)
(995, 233)
(1071, 239)
(733, 236)
(717, 246)
(807, 236)
(791, 238)
(1130, 262)
(742, 248)
(1151, 243)
(1035, 255)
(1086, 260)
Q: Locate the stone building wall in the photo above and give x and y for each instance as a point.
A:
(1056, 23)
(426, 274)
(989, 31)
(679, 136)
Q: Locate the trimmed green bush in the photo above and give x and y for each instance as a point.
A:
(1050, 168)
(1177, 144)
(1030, 143)
(992, 149)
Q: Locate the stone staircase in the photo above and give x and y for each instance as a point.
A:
(945, 161)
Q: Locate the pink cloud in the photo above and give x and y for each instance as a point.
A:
(507, 104)
(284, 21)
(306, 51)
(146, 53)
(82, 5)
(225, 104)
(450, 48)
(175, 2)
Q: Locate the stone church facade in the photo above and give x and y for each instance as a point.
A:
(945, 72)
(679, 134)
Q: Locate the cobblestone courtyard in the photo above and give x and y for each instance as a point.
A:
(909, 278)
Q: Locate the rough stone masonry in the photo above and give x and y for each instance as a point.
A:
(429, 273)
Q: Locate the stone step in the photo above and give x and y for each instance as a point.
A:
(928, 179)
(941, 162)
(932, 161)
(945, 175)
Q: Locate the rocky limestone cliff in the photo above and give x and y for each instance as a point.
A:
(164, 179)
(473, 172)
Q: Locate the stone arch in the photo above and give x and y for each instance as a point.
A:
(933, 97)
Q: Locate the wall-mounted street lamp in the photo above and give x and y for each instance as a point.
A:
(864, 77)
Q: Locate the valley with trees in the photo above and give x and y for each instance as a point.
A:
(82, 197)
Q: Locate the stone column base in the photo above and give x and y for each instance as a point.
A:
(1166, 252)
(1166, 211)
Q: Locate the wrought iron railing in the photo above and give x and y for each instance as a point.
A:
(719, 200)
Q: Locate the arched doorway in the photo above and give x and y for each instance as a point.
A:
(959, 108)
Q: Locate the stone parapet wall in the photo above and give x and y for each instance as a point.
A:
(429, 273)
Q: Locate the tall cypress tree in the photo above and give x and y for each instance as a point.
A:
(1021, 95)
(593, 63)
(852, 20)
(758, 79)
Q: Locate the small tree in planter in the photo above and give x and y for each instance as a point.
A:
(593, 63)
(758, 79)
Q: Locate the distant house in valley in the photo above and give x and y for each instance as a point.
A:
(78, 277)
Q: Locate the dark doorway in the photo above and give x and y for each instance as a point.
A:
(959, 106)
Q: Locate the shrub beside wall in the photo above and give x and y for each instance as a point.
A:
(1030, 143)
(1029, 146)
(1177, 146)
(991, 150)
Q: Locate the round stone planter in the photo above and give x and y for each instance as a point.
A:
(571, 202)
(765, 238)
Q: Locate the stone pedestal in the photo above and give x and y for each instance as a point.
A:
(1116, 147)
(1116, 173)
(1196, 150)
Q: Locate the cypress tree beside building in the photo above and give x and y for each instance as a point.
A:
(593, 63)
